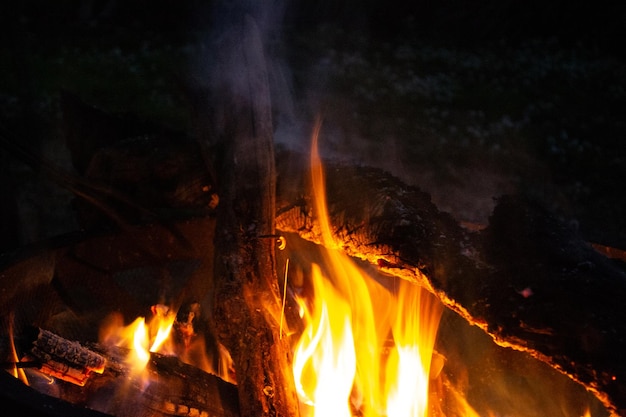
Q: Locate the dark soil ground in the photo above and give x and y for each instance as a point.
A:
(468, 103)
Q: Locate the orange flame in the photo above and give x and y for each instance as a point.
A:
(16, 372)
(408, 367)
(140, 338)
(161, 327)
(138, 333)
(338, 365)
(326, 352)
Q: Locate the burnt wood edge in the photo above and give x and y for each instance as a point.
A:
(294, 213)
(19, 399)
(246, 298)
(176, 388)
(572, 318)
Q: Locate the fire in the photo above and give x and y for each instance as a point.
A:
(326, 352)
(139, 337)
(368, 345)
(161, 326)
(157, 335)
(339, 365)
(408, 367)
(16, 372)
(367, 348)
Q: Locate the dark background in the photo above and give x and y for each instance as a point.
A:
(466, 99)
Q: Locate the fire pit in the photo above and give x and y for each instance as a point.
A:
(66, 287)
(296, 286)
(72, 284)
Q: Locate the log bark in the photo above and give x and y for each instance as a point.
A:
(528, 279)
(247, 304)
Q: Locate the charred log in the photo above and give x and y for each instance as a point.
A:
(98, 379)
(528, 279)
(72, 288)
(64, 359)
(20, 399)
(246, 294)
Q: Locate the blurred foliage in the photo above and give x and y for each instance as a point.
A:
(535, 91)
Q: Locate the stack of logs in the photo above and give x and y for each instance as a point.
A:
(528, 279)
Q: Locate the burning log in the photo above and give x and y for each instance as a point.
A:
(64, 359)
(247, 303)
(100, 379)
(528, 279)
(72, 287)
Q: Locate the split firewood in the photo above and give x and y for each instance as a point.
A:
(100, 378)
(528, 279)
(65, 359)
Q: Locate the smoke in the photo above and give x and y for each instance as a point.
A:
(378, 104)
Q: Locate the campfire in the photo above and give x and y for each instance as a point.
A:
(308, 288)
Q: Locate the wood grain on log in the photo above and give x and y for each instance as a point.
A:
(528, 279)
(247, 297)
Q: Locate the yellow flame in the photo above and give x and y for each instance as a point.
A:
(325, 352)
(156, 335)
(139, 355)
(408, 368)
(161, 326)
(138, 337)
(338, 359)
(16, 372)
